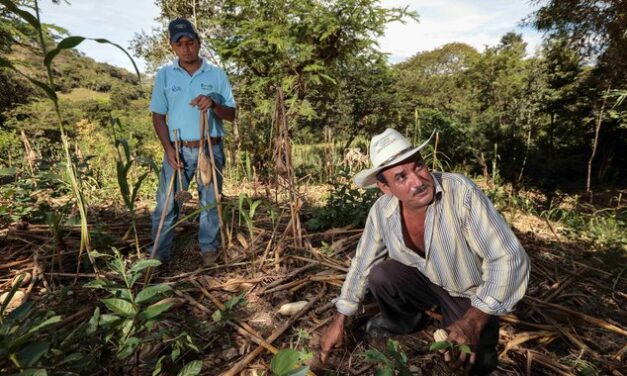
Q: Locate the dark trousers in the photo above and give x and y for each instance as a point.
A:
(402, 292)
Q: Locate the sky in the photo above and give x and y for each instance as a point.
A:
(479, 23)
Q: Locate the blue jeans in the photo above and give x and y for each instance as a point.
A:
(209, 227)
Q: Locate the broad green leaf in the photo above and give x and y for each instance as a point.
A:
(30, 354)
(152, 292)
(128, 348)
(465, 349)
(253, 208)
(108, 319)
(373, 355)
(302, 371)
(441, 345)
(48, 322)
(145, 264)
(8, 171)
(191, 369)
(74, 357)
(120, 306)
(154, 311)
(284, 361)
(21, 312)
(158, 367)
(73, 41)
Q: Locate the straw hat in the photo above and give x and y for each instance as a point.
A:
(386, 149)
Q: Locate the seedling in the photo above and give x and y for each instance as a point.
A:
(442, 344)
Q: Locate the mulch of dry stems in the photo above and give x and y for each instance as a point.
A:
(571, 316)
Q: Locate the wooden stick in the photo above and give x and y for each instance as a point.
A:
(593, 320)
(239, 366)
(216, 190)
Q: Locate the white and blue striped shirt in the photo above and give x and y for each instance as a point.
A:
(470, 251)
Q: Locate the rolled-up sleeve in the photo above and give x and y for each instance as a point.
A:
(369, 251)
(505, 264)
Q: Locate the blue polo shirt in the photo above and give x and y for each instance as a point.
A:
(173, 90)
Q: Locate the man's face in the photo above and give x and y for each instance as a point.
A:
(410, 182)
(186, 49)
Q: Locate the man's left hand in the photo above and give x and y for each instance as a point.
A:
(467, 331)
(203, 102)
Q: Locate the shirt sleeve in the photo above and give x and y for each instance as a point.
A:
(370, 250)
(158, 100)
(227, 92)
(505, 265)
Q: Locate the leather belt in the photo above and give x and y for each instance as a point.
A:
(195, 144)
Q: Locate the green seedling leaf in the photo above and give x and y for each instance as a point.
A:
(128, 348)
(441, 345)
(142, 265)
(465, 349)
(21, 312)
(152, 292)
(50, 321)
(386, 371)
(302, 371)
(73, 41)
(33, 372)
(30, 354)
(191, 369)
(217, 316)
(159, 366)
(375, 356)
(234, 301)
(284, 361)
(92, 325)
(8, 171)
(120, 306)
(74, 357)
(154, 311)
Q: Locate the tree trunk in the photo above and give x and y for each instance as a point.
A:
(595, 144)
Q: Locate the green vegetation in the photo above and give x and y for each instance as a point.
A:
(545, 134)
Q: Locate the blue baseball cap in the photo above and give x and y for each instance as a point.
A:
(181, 27)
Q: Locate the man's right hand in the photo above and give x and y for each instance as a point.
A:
(171, 157)
(333, 336)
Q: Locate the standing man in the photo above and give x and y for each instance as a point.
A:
(182, 91)
(445, 244)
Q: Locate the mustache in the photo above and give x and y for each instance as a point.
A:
(420, 189)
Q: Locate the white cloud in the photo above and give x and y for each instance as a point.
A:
(115, 20)
(477, 23)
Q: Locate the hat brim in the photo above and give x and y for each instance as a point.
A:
(368, 178)
(174, 38)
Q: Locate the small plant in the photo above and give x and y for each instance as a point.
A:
(123, 164)
(221, 316)
(133, 315)
(442, 344)
(346, 205)
(289, 362)
(248, 217)
(392, 361)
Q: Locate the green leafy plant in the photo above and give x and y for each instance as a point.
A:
(392, 361)
(21, 340)
(289, 362)
(133, 315)
(123, 164)
(346, 205)
(220, 316)
(450, 346)
(248, 215)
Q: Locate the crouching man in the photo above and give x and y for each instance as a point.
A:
(432, 239)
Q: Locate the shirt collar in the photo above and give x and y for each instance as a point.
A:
(203, 67)
(393, 204)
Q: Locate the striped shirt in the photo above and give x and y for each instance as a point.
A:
(470, 251)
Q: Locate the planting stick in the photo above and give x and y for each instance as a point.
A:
(216, 190)
(162, 219)
(182, 195)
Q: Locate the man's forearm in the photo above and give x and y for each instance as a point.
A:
(224, 112)
(161, 129)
